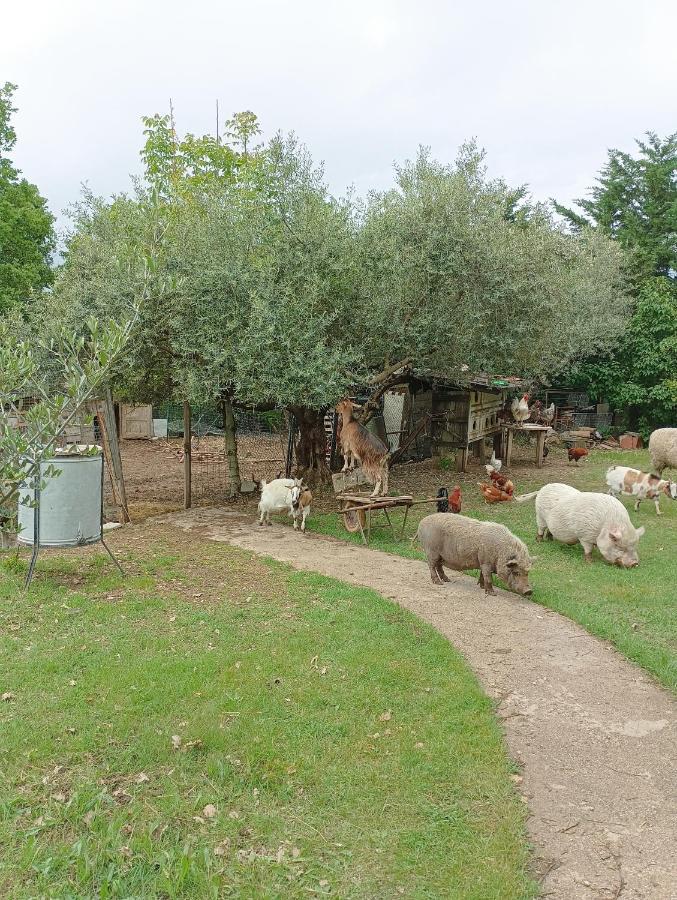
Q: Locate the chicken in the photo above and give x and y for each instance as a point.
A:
(493, 494)
(548, 415)
(520, 409)
(502, 482)
(449, 502)
(576, 454)
(495, 465)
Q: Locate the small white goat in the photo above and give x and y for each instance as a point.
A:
(301, 498)
(285, 495)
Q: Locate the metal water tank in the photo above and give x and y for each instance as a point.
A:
(70, 512)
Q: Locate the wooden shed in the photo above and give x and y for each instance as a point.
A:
(441, 417)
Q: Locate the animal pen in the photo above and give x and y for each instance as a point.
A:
(262, 448)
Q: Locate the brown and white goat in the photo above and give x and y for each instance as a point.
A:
(360, 445)
(301, 498)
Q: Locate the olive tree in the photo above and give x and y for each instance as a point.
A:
(461, 271)
(80, 364)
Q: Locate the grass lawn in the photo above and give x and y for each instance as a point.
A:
(636, 610)
(218, 725)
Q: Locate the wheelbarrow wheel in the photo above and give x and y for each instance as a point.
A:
(354, 520)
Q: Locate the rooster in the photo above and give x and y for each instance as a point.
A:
(520, 409)
(449, 502)
(494, 494)
(576, 454)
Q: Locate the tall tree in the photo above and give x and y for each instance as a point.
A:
(635, 202)
(26, 225)
(460, 270)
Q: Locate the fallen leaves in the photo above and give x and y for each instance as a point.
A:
(122, 796)
(386, 716)
(210, 811)
(222, 847)
(7, 696)
(142, 778)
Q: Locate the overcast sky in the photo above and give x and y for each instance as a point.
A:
(546, 86)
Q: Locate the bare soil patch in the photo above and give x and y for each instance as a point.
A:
(154, 474)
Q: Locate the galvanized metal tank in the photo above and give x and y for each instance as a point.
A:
(70, 503)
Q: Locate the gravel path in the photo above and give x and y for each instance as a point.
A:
(594, 735)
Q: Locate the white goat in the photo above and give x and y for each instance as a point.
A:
(285, 495)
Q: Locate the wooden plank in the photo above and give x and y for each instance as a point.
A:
(350, 478)
(187, 461)
(136, 422)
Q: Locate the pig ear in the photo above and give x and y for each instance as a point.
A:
(640, 531)
(615, 534)
(512, 562)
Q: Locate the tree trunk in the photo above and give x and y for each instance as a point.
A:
(230, 443)
(311, 445)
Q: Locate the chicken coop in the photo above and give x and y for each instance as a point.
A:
(435, 416)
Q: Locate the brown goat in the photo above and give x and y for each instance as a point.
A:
(359, 444)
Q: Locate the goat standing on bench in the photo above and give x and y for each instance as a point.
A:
(359, 444)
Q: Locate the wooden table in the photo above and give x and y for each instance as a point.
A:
(357, 508)
(509, 432)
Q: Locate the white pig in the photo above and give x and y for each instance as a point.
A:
(593, 520)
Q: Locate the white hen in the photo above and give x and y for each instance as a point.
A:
(494, 464)
(520, 409)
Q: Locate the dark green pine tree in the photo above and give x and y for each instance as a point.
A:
(635, 202)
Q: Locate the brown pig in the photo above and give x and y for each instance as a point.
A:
(459, 543)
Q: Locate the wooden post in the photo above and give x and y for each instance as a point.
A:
(462, 460)
(540, 444)
(508, 446)
(105, 412)
(230, 445)
(187, 468)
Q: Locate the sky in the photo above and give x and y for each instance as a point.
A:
(545, 86)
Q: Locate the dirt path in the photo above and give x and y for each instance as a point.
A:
(594, 735)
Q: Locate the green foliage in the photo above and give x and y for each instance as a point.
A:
(26, 226)
(116, 260)
(82, 363)
(635, 202)
(460, 269)
(285, 295)
(640, 376)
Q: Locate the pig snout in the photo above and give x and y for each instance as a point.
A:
(519, 583)
(627, 562)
